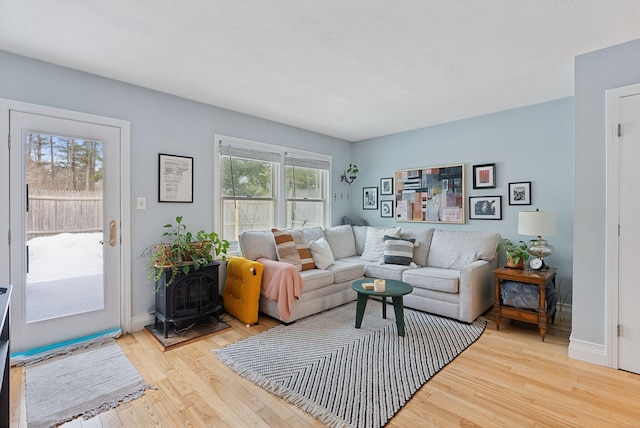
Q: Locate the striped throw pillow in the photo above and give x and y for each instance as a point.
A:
(286, 248)
(292, 247)
(303, 250)
(398, 251)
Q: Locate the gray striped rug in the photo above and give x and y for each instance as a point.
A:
(345, 376)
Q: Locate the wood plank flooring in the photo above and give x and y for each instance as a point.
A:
(508, 378)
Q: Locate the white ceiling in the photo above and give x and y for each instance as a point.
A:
(350, 69)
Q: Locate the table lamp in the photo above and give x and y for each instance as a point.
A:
(538, 223)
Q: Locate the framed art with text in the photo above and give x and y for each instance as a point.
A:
(175, 178)
(433, 194)
(369, 198)
(520, 193)
(484, 176)
(485, 207)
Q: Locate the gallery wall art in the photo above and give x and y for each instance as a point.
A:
(430, 194)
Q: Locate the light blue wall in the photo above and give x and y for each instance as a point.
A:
(160, 123)
(533, 143)
(595, 73)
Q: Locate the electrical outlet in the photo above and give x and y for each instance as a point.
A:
(141, 203)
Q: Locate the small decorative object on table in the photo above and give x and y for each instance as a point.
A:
(517, 253)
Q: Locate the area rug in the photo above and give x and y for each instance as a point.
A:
(345, 376)
(83, 383)
(180, 337)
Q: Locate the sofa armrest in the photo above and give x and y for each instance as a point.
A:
(476, 289)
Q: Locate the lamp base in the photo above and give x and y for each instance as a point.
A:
(540, 248)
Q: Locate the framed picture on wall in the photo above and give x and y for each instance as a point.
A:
(520, 193)
(369, 198)
(386, 186)
(485, 207)
(386, 209)
(175, 178)
(432, 194)
(484, 176)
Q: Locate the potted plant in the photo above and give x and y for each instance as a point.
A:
(183, 251)
(350, 175)
(517, 253)
(353, 171)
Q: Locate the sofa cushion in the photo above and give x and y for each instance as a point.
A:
(374, 244)
(286, 248)
(423, 242)
(455, 249)
(398, 251)
(341, 240)
(257, 244)
(343, 271)
(313, 233)
(430, 278)
(375, 270)
(316, 278)
(360, 235)
(321, 252)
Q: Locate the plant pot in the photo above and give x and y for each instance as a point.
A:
(519, 265)
(167, 259)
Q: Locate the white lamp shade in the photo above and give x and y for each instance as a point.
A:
(538, 223)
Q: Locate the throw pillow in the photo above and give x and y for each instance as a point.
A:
(286, 248)
(341, 240)
(321, 252)
(374, 244)
(303, 250)
(398, 251)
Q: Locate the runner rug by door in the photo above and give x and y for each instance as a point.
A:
(345, 376)
(85, 382)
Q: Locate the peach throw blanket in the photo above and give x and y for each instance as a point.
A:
(282, 283)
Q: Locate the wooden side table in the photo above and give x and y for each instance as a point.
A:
(528, 276)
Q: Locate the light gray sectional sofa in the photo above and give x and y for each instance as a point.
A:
(450, 271)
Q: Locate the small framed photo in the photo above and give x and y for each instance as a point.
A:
(520, 193)
(175, 178)
(484, 176)
(386, 209)
(369, 198)
(485, 207)
(386, 186)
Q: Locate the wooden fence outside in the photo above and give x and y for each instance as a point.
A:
(52, 212)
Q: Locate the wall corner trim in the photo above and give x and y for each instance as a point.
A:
(587, 351)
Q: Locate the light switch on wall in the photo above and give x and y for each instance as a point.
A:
(141, 203)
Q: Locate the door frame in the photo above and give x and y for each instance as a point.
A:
(6, 106)
(612, 220)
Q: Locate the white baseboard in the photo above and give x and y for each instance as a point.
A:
(586, 351)
(138, 322)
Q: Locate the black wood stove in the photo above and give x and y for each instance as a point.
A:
(189, 298)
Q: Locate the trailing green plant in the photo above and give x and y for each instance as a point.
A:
(183, 251)
(352, 171)
(516, 251)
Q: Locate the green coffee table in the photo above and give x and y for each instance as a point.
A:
(394, 289)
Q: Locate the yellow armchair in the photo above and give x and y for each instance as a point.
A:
(241, 295)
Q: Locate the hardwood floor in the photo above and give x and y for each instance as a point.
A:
(507, 378)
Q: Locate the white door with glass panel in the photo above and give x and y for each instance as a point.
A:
(65, 228)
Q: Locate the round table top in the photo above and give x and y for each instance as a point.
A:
(393, 287)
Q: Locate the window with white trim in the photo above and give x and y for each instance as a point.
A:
(262, 186)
